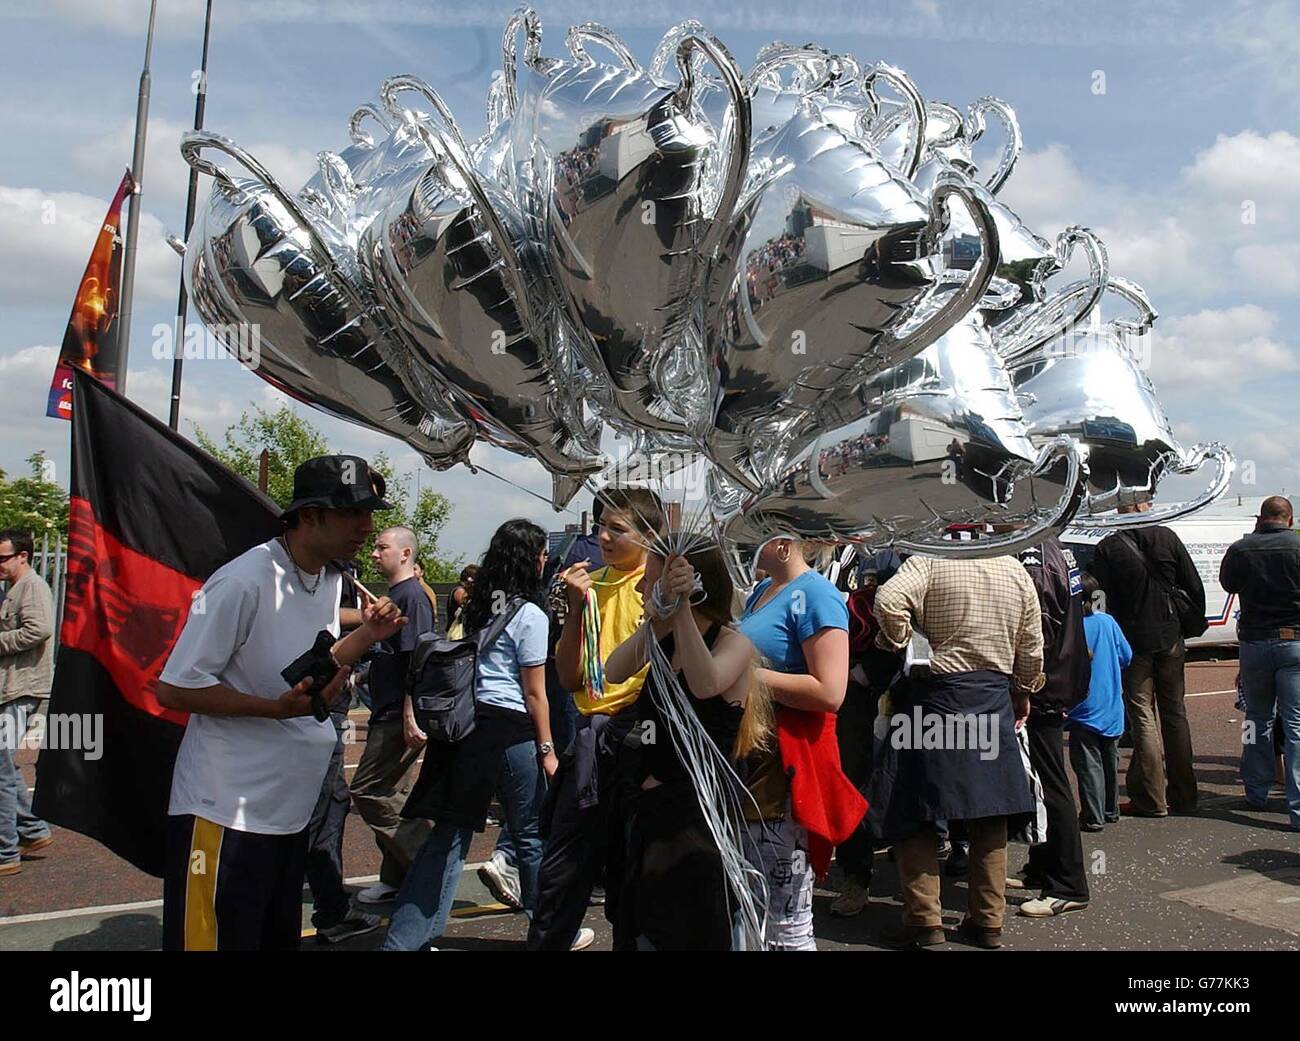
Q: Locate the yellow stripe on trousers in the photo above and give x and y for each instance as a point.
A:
(201, 886)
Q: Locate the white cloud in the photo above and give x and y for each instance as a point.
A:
(1249, 165)
(1192, 238)
(1272, 267)
(123, 16)
(1046, 188)
(1269, 457)
(24, 428)
(1263, 41)
(1216, 349)
(48, 237)
(166, 174)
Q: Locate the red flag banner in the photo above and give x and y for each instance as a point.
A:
(90, 341)
(152, 516)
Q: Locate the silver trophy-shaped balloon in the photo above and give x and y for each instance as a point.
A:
(257, 259)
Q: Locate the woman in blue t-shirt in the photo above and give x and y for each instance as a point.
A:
(798, 622)
(509, 751)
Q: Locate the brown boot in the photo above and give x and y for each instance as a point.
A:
(979, 935)
(915, 937)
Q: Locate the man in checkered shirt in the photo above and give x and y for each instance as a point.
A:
(983, 623)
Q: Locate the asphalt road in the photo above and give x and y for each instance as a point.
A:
(1226, 878)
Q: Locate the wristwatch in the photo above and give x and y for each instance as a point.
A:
(545, 748)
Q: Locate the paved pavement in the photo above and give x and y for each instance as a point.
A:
(1227, 878)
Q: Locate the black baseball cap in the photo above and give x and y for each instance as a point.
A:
(337, 482)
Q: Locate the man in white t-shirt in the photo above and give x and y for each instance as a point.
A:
(253, 757)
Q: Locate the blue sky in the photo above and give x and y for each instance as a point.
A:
(1200, 115)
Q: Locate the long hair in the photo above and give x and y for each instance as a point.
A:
(757, 720)
(509, 570)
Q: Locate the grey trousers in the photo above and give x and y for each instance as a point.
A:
(1095, 760)
(380, 785)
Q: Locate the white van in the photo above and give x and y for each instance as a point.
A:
(1207, 535)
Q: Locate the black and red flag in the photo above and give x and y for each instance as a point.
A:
(151, 516)
(90, 340)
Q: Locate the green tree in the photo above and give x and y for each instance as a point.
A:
(290, 440)
(35, 503)
(426, 517)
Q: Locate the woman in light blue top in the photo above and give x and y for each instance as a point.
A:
(509, 751)
(799, 623)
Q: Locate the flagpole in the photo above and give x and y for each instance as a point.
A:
(182, 304)
(133, 223)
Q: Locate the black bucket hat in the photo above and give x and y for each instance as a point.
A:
(337, 482)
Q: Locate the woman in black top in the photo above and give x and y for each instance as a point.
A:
(675, 892)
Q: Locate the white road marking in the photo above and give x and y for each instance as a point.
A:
(146, 905)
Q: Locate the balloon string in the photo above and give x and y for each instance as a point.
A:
(519, 487)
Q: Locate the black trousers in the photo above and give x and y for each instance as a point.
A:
(228, 890)
(325, 840)
(1058, 862)
(854, 732)
(581, 846)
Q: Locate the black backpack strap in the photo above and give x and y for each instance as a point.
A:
(487, 637)
(1146, 562)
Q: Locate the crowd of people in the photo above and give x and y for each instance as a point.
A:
(616, 705)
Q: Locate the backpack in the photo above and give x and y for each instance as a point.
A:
(443, 675)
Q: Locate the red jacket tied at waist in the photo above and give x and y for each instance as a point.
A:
(823, 800)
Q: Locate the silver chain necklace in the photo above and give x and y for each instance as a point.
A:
(309, 590)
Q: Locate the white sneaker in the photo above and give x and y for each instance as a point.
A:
(502, 881)
(1046, 907)
(584, 939)
(376, 894)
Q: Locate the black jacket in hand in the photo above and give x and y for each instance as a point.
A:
(1066, 663)
(1133, 599)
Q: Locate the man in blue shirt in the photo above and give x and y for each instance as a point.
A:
(1096, 723)
(384, 776)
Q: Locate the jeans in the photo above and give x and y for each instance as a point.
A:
(1270, 676)
(779, 848)
(564, 711)
(16, 819)
(1096, 765)
(425, 900)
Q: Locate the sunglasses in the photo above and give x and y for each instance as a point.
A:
(6, 557)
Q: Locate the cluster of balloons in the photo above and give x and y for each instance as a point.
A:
(797, 274)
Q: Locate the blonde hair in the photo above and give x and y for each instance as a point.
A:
(758, 720)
